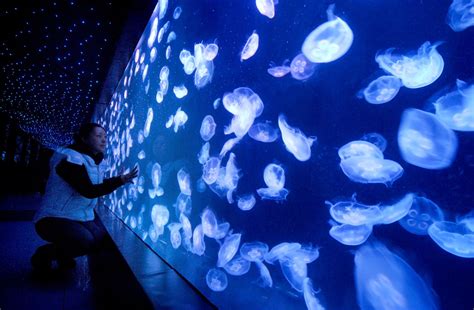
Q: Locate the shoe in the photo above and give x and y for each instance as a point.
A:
(66, 263)
(40, 262)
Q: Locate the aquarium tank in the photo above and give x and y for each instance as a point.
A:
(303, 154)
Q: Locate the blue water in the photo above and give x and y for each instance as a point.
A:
(325, 106)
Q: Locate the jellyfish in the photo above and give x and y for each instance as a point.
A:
(189, 66)
(460, 15)
(468, 221)
(216, 103)
(228, 145)
(350, 234)
(329, 41)
(312, 303)
(175, 236)
(414, 71)
(376, 139)
(216, 280)
(200, 185)
(237, 266)
(208, 128)
(246, 202)
(395, 212)
(171, 37)
(203, 155)
(227, 179)
(245, 105)
(250, 47)
(371, 170)
(184, 56)
(179, 119)
(279, 71)
(209, 223)
(228, 249)
(385, 281)
(211, 51)
(422, 214)
(263, 132)
(254, 251)
(281, 251)
(204, 73)
(354, 213)
(141, 155)
(177, 12)
(180, 91)
(186, 226)
(170, 121)
(295, 271)
(153, 32)
(426, 142)
(164, 85)
(455, 238)
(160, 215)
(156, 191)
(359, 148)
(210, 170)
(183, 204)
(266, 7)
(222, 230)
(199, 247)
(301, 68)
(184, 181)
(382, 90)
(168, 52)
(149, 119)
(295, 141)
(456, 108)
(274, 176)
(162, 7)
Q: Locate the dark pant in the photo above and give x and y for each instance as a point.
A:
(69, 238)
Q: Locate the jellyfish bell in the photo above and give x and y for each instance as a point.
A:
(460, 15)
(208, 128)
(263, 132)
(228, 249)
(281, 251)
(250, 47)
(237, 266)
(363, 169)
(355, 213)
(301, 68)
(216, 280)
(329, 41)
(254, 251)
(359, 148)
(422, 214)
(266, 7)
(454, 238)
(295, 141)
(376, 139)
(382, 90)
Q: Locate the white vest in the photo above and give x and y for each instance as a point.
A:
(60, 199)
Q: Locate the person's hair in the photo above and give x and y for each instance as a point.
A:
(84, 132)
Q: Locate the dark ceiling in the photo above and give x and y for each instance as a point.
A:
(56, 60)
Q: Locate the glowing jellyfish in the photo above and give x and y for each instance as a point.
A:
(227, 180)
(312, 303)
(228, 249)
(354, 213)
(184, 56)
(200, 185)
(414, 71)
(328, 41)
(184, 182)
(208, 128)
(385, 281)
(189, 66)
(203, 155)
(180, 91)
(149, 119)
(209, 223)
(468, 221)
(250, 47)
(350, 234)
(395, 212)
(171, 37)
(156, 191)
(216, 103)
(222, 230)
(162, 7)
(245, 105)
(183, 204)
(266, 7)
(460, 15)
(282, 251)
(295, 271)
(199, 246)
(179, 119)
(376, 139)
(456, 108)
(237, 266)
(229, 145)
(210, 170)
(211, 51)
(382, 90)
(295, 141)
(164, 73)
(160, 215)
(186, 226)
(263, 132)
(175, 236)
(359, 148)
(168, 53)
(177, 12)
(279, 71)
(246, 202)
(422, 214)
(254, 251)
(371, 170)
(274, 176)
(216, 280)
(170, 121)
(455, 238)
(141, 154)
(204, 73)
(265, 279)
(153, 32)
(301, 68)
(426, 142)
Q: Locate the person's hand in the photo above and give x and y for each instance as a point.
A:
(128, 177)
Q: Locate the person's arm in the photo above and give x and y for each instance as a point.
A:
(76, 176)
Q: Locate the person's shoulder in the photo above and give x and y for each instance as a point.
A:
(72, 156)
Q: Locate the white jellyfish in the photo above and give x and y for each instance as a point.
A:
(149, 119)
(263, 132)
(208, 128)
(184, 182)
(203, 154)
(371, 170)
(295, 141)
(246, 202)
(199, 246)
(382, 90)
(350, 234)
(279, 71)
(175, 236)
(250, 47)
(237, 266)
(414, 71)
(422, 214)
(266, 7)
(328, 41)
(156, 191)
(354, 213)
(301, 68)
(210, 52)
(177, 12)
(153, 32)
(216, 280)
(312, 303)
(359, 148)
(228, 145)
(228, 249)
(455, 238)
(180, 91)
(168, 53)
(179, 119)
(210, 170)
(460, 15)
